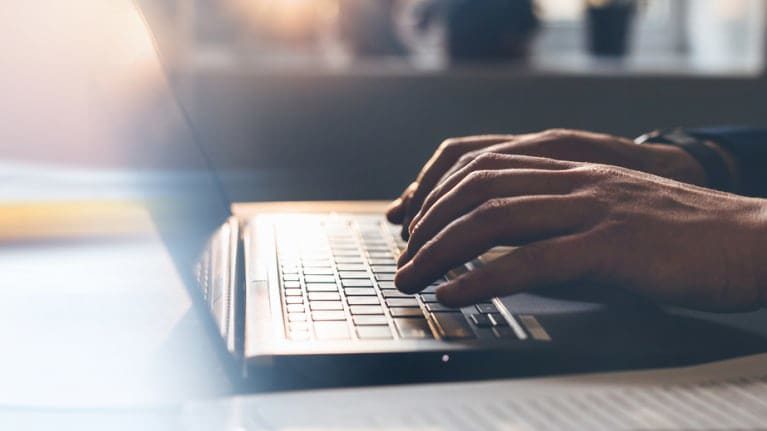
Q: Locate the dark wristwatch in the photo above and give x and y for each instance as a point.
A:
(717, 172)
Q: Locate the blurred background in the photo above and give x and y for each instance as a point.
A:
(313, 93)
(295, 98)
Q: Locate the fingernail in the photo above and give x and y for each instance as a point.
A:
(394, 204)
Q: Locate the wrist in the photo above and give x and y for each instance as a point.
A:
(673, 162)
(729, 161)
(717, 164)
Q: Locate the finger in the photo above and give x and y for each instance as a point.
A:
(396, 210)
(480, 187)
(551, 262)
(487, 161)
(506, 147)
(509, 221)
(446, 155)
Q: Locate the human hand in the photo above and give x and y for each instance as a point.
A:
(575, 223)
(663, 160)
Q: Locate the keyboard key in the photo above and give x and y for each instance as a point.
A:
(383, 261)
(294, 300)
(356, 283)
(324, 296)
(435, 307)
(498, 319)
(385, 277)
(299, 335)
(453, 325)
(504, 332)
(482, 320)
(405, 312)
(329, 315)
(402, 302)
(387, 285)
(318, 271)
(429, 298)
(351, 260)
(413, 327)
(293, 292)
(296, 317)
(350, 267)
(393, 293)
(369, 319)
(374, 332)
(313, 287)
(362, 300)
(319, 279)
(366, 309)
(326, 305)
(344, 253)
(353, 274)
(429, 289)
(360, 291)
(331, 330)
(298, 326)
(291, 285)
(384, 269)
(290, 277)
(486, 307)
(317, 264)
(295, 308)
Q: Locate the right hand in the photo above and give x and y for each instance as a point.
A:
(571, 145)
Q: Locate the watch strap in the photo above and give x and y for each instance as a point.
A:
(717, 173)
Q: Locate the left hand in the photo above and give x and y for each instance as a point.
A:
(575, 222)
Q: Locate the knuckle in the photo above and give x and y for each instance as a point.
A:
(558, 134)
(452, 145)
(478, 179)
(487, 158)
(491, 208)
(595, 171)
(483, 161)
(468, 158)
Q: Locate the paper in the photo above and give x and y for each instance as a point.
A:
(723, 395)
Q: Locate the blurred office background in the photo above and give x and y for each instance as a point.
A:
(347, 98)
(331, 99)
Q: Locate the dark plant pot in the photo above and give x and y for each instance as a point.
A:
(609, 29)
(489, 29)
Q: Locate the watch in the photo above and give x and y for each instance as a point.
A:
(717, 172)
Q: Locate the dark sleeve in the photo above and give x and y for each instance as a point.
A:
(749, 147)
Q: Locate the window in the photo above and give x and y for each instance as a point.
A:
(705, 35)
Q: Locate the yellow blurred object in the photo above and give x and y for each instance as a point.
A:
(72, 220)
(296, 20)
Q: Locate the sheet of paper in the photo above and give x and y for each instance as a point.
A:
(723, 395)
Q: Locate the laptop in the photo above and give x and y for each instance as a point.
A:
(306, 298)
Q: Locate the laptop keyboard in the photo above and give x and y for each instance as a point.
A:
(337, 283)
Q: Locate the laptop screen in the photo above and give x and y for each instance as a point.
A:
(172, 173)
